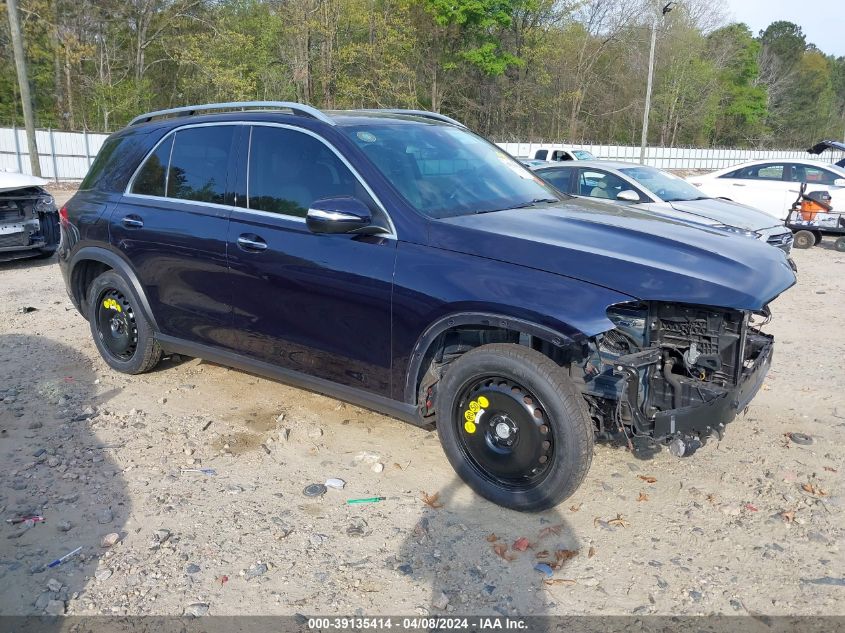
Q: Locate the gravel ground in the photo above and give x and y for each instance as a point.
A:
(749, 524)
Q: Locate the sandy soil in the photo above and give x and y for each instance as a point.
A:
(749, 524)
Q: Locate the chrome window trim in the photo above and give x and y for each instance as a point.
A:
(128, 191)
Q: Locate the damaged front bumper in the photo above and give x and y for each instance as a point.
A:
(710, 407)
(672, 370)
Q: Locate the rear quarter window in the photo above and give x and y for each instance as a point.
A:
(116, 162)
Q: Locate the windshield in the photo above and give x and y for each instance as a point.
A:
(582, 154)
(664, 185)
(445, 171)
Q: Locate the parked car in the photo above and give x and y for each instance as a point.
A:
(660, 192)
(398, 261)
(822, 146)
(559, 153)
(29, 220)
(772, 185)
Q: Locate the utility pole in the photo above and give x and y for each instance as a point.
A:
(666, 8)
(23, 85)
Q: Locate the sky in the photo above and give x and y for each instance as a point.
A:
(823, 21)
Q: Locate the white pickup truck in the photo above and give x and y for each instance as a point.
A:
(558, 153)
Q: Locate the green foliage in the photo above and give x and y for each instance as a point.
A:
(568, 70)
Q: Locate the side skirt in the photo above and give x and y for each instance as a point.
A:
(401, 410)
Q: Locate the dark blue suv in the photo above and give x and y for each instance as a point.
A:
(398, 261)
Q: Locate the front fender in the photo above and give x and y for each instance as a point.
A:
(433, 287)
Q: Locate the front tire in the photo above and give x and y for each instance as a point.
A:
(121, 332)
(514, 427)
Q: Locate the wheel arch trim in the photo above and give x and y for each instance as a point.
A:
(120, 266)
(427, 338)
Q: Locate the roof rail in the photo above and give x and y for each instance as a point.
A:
(420, 113)
(296, 108)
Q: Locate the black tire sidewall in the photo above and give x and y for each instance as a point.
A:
(571, 426)
(802, 235)
(134, 365)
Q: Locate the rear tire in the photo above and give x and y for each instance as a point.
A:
(839, 245)
(50, 230)
(804, 239)
(514, 427)
(121, 332)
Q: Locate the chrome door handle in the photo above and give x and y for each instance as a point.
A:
(133, 222)
(252, 243)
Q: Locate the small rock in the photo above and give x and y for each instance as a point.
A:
(196, 609)
(36, 424)
(55, 607)
(52, 462)
(318, 539)
(405, 569)
(256, 570)
(159, 538)
(54, 585)
(110, 540)
(284, 435)
(105, 516)
(64, 526)
(378, 467)
(315, 432)
(42, 600)
(696, 595)
(162, 400)
(102, 574)
(280, 418)
(441, 601)
(192, 569)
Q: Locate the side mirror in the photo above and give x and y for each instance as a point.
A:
(628, 195)
(839, 182)
(338, 215)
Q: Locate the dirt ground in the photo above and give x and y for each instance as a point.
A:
(749, 524)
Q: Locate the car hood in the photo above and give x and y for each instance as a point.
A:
(724, 212)
(640, 254)
(11, 180)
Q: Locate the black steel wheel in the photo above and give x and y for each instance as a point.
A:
(121, 331)
(514, 427)
(504, 432)
(116, 324)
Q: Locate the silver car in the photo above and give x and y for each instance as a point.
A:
(663, 193)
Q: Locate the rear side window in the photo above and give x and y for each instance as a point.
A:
(289, 170)
(151, 178)
(198, 163)
(560, 178)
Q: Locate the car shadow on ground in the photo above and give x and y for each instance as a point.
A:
(26, 262)
(53, 466)
(472, 557)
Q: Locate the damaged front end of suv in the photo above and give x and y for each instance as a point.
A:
(29, 220)
(674, 371)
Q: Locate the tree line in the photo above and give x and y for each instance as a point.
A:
(571, 70)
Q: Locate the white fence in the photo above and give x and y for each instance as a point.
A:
(68, 155)
(63, 155)
(676, 157)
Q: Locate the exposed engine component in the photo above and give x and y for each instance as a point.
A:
(664, 358)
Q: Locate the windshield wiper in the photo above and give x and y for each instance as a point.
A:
(524, 205)
(534, 202)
